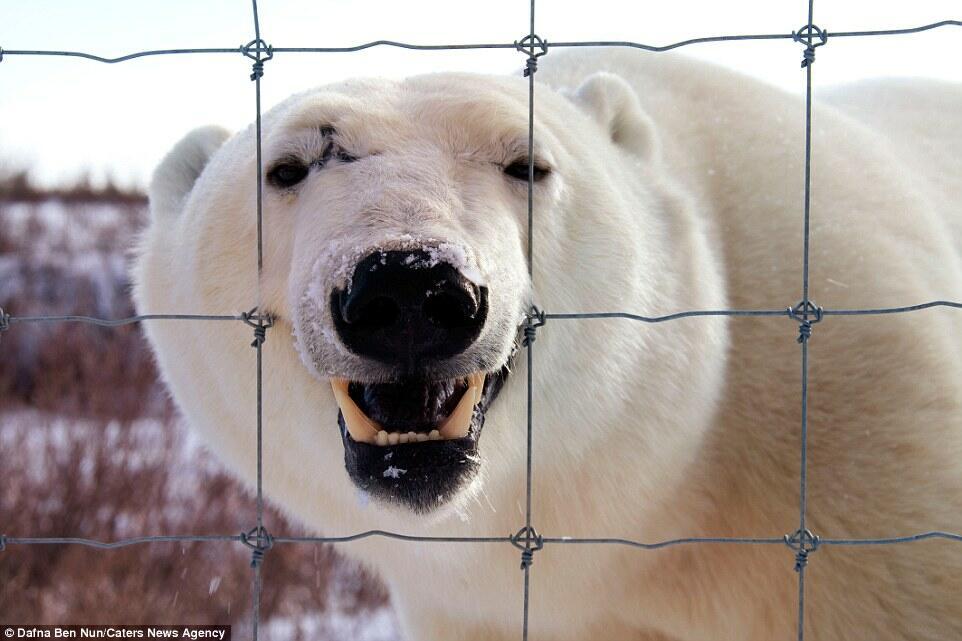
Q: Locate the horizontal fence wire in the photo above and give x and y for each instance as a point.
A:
(788, 313)
(462, 47)
(412, 538)
(528, 540)
(117, 322)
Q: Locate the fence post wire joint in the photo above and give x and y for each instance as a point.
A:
(527, 45)
(528, 541)
(802, 542)
(253, 50)
(4, 326)
(804, 36)
(533, 319)
(260, 323)
(259, 541)
(806, 313)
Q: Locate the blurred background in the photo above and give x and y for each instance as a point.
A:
(90, 444)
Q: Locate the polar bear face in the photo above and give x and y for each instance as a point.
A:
(395, 227)
(408, 278)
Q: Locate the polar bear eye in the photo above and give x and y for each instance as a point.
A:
(519, 170)
(287, 174)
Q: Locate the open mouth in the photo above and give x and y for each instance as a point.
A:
(414, 441)
(423, 409)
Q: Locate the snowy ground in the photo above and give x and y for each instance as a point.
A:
(45, 445)
(379, 625)
(89, 447)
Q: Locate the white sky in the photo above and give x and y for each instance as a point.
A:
(61, 116)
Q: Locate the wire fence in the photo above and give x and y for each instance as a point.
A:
(527, 539)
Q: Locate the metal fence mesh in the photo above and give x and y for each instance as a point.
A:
(805, 313)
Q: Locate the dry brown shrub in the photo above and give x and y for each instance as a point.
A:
(90, 448)
(16, 185)
(78, 369)
(109, 481)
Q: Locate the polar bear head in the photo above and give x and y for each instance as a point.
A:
(395, 253)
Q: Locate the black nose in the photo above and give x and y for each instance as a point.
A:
(404, 307)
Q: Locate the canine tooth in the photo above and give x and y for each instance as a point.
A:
(458, 423)
(381, 437)
(434, 435)
(422, 437)
(412, 437)
(361, 428)
(393, 438)
(402, 438)
(476, 382)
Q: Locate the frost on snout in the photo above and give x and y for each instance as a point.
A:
(410, 320)
(322, 347)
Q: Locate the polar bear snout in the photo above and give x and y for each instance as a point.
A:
(411, 417)
(405, 308)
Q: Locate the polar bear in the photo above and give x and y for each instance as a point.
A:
(395, 266)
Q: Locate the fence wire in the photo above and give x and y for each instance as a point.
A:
(805, 313)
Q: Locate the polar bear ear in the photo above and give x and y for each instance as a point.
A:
(614, 105)
(178, 171)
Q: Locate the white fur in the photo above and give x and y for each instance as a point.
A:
(676, 186)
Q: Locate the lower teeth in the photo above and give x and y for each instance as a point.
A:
(395, 438)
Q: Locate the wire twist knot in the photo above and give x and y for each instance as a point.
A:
(804, 36)
(527, 45)
(259, 541)
(260, 324)
(804, 543)
(806, 313)
(253, 50)
(534, 319)
(4, 321)
(523, 540)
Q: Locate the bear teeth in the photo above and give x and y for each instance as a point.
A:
(364, 430)
(458, 423)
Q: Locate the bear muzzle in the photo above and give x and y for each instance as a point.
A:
(412, 438)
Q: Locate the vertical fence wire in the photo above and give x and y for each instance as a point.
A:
(526, 560)
(258, 344)
(259, 540)
(256, 562)
(803, 446)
